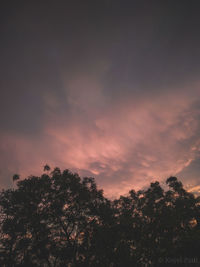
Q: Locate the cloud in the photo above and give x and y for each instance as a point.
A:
(124, 142)
(124, 145)
(130, 142)
(111, 92)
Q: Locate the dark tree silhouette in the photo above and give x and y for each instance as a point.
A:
(46, 167)
(59, 219)
(15, 177)
(48, 220)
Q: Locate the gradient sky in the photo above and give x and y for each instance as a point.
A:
(108, 88)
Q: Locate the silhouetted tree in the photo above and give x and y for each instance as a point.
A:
(47, 168)
(49, 220)
(15, 177)
(155, 225)
(59, 219)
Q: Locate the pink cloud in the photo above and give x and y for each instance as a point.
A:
(149, 139)
(124, 144)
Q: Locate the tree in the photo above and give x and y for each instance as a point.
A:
(48, 220)
(154, 224)
(15, 177)
(59, 219)
(47, 168)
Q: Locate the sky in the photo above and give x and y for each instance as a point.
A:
(109, 89)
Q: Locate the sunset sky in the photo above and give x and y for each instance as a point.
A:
(107, 88)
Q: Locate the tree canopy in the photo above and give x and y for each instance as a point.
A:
(59, 219)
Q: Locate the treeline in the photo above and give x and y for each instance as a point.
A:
(59, 219)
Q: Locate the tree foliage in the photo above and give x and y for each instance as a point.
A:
(59, 219)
